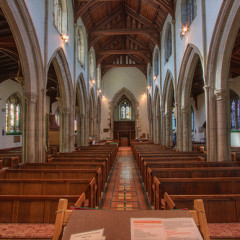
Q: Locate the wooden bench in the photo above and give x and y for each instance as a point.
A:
(194, 186)
(219, 208)
(187, 173)
(50, 187)
(56, 174)
(33, 208)
(78, 165)
(184, 164)
(11, 162)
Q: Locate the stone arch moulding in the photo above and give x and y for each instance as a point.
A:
(20, 22)
(217, 76)
(130, 96)
(67, 100)
(188, 66)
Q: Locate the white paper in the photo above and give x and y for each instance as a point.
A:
(91, 235)
(164, 229)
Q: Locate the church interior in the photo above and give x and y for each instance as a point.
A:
(130, 106)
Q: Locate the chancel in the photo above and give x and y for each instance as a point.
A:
(131, 106)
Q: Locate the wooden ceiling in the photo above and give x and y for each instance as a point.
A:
(123, 32)
(9, 59)
(235, 60)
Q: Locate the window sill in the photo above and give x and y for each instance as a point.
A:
(14, 133)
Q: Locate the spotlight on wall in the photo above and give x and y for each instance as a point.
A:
(184, 31)
(99, 91)
(155, 77)
(65, 38)
(93, 81)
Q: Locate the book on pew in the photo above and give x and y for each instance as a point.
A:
(91, 235)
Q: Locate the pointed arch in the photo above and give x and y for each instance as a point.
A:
(156, 116)
(22, 27)
(187, 70)
(124, 92)
(66, 100)
(217, 75)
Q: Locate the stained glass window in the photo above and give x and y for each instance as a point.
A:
(173, 121)
(192, 118)
(57, 117)
(13, 114)
(125, 111)
(80, 46)
(168, 43)
(60, 16)
(188, 12)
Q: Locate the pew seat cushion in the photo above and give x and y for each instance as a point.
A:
(26, 230)
(224, 230)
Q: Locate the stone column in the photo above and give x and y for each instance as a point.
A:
(65, 129)
(82, 131)
(223, 149)
(185, 129)
(30, 127)
(167, 119)
(179, 129)
(94, 127)
(79, 130)
(86, 131)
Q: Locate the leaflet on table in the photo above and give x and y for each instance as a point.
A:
(91, 235)
(164, 229)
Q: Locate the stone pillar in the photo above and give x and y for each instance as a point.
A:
(82, 131)
(79, 130)
(30, 127)
(167, 119)
(94, 127)
(157, 130)
(65, 130)
(179, 129)
(86, 131)
(185, 128)
(223, 148)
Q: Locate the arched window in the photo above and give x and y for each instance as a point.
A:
(188, 11)
(91, 67)
(99, 76)
(125, 111)
(192, 118)
(57, 117)
(173, 120)
(60, 16)
(156, 64)
(235, 110)
(81, 49)
(13, 114)
(168, 43)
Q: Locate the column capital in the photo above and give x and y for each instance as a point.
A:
(31, 97)
(220, 93)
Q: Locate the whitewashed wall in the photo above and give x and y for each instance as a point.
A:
(114, 80)
(7, 88)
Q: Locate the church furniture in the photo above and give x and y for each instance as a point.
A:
(194, 186)
(200, 172)
(77, 221)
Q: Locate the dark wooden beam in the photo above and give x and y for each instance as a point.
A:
(122, 65)
(124, 51)
(123, 31)
(7, 42)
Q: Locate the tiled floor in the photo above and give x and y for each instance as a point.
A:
(124, 191)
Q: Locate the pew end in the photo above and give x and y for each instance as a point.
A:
(63, 214)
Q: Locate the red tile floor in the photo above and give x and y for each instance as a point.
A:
(124, 191)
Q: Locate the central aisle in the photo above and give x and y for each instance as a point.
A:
(124, 190)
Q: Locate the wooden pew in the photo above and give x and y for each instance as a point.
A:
(184, 164)
(10, 161)
(1, 164)
(194, 186)
(78, 165)
(33, 208)
(187, 173)
(55, 174)
(50, 187)
(219, 208)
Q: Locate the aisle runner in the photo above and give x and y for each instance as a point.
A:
(124, 192)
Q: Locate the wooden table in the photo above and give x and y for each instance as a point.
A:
(116, 224)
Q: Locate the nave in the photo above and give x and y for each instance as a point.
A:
(108, 177)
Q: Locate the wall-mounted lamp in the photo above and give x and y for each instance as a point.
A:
(184, 31)
(93, 81)
(155, 77)
(149, 88)
(65, 38)
(99, 91)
